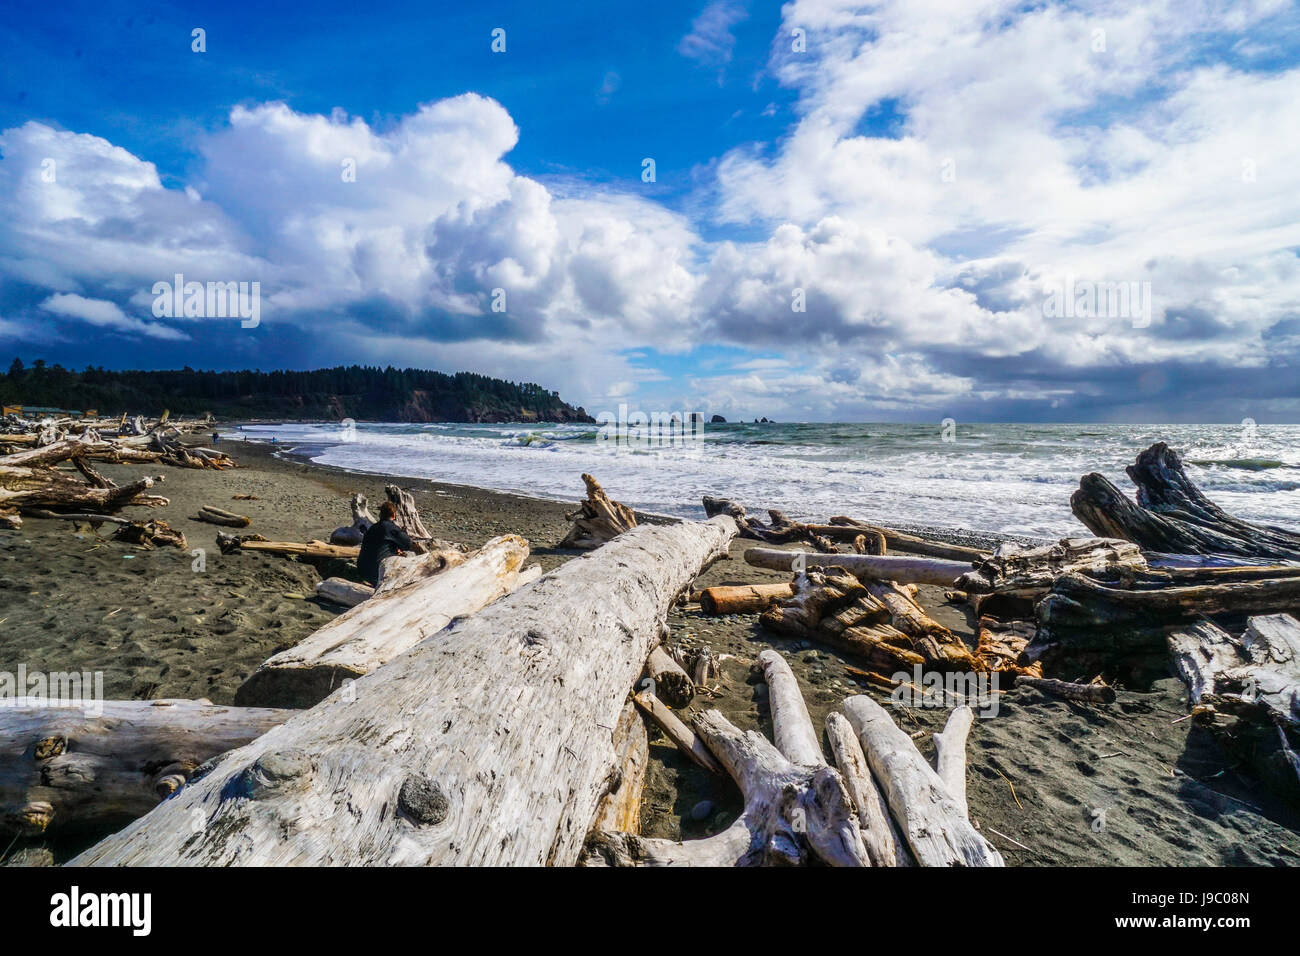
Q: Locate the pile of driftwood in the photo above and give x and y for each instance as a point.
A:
(31, 479)
(459, 717)
(1177, 582)
(467, 711)
(117, 440)
(1174, 581)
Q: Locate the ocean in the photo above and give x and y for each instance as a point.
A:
(1007, 479)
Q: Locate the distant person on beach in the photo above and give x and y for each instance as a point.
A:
(383, 540)
(215, 438)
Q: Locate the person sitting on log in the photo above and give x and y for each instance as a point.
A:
(383, 540)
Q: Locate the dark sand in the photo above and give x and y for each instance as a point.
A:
(156, 627)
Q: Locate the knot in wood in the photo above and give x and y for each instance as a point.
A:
(49, 747)
(281, 771)
(423, 800)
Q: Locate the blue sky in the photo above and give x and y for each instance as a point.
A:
(592, 90)
(859, 208)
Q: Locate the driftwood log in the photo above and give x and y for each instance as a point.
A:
(743, 598)
(671, 682)
(1172, 515)
(60, 768)
(230, 544)
(780, 530)
(1257, 675)
(1010, 581)
(420, 765)
(21, 487)
(1096, 693)
(931, 818)
(885, 845)
(150, 534)
(681, 736)
(620, 809)
(883, 568)
(362, 520)
(227, 518)
(841, 528)
(406, 608)
(408, 519)
(598, 519)
(343, 592)
(1247, 690)
(797, 808)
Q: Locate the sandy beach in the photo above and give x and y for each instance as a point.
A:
(1050, 782)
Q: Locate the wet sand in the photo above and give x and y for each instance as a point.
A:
(1039, 771)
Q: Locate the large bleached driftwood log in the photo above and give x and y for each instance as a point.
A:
(490, 744)
(931, 818)
(880, 567)
(598, 519)
(797, 808)
(60, 768)
(1172, 515)
(406, 608)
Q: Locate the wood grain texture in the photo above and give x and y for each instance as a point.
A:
(61, 768)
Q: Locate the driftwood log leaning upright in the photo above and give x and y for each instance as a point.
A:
(490, 744)
(1172, 515)
(598, 519)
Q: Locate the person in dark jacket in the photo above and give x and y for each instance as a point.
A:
(383, 540)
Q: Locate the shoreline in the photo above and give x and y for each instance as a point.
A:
(969, 537)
